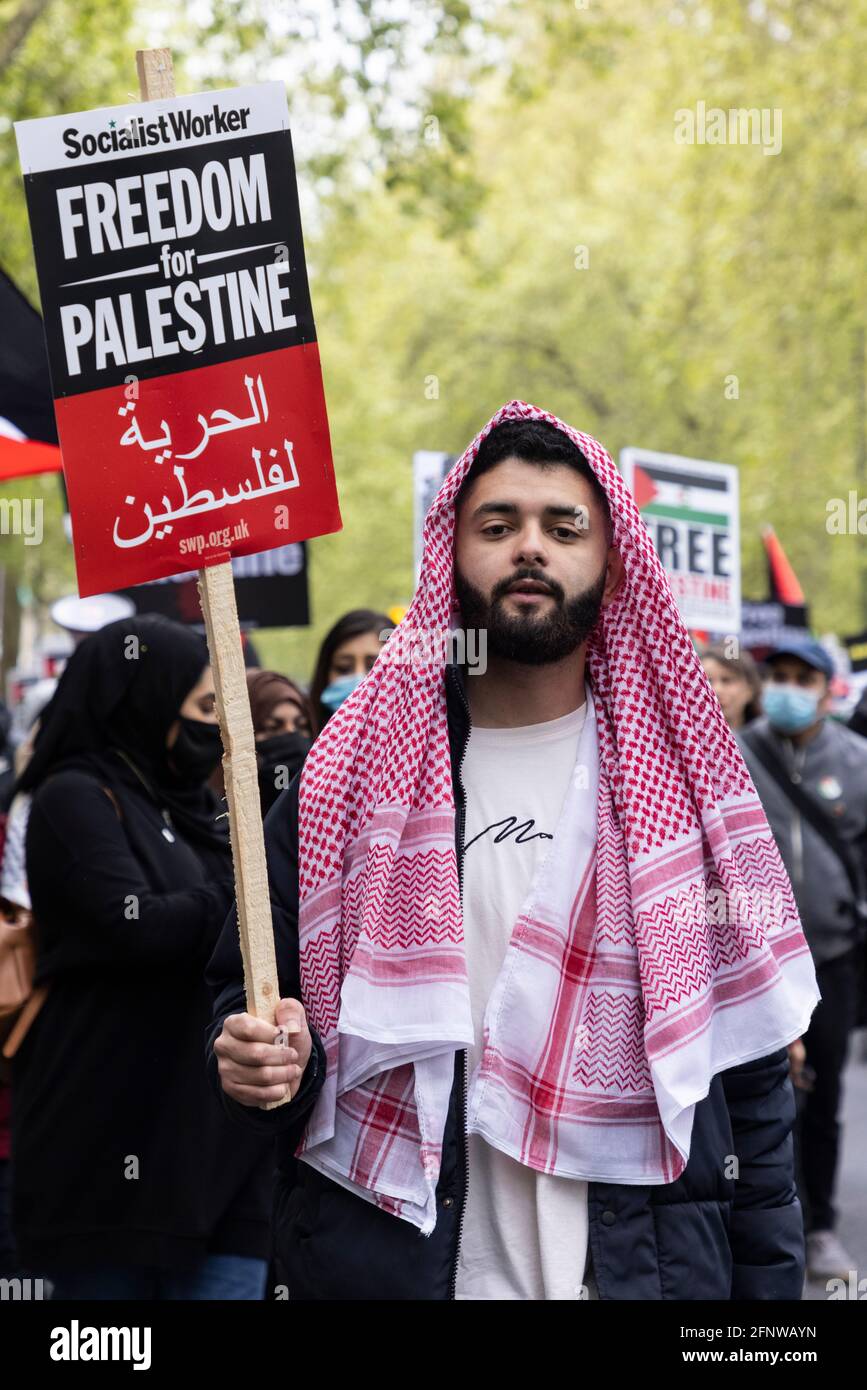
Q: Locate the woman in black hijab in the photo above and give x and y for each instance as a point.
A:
(129, 1181)
(282, 725)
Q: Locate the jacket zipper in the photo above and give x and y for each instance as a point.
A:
(796, 769)
(463, 1061)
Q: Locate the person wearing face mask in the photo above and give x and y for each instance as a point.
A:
(282, 723)
(348, 652)
(128, 1180)
(811, 775)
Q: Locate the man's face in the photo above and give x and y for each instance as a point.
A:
(791, 670)
(532, 562)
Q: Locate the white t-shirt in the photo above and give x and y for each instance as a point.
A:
(524, 1233)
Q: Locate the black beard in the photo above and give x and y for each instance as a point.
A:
(530, 639)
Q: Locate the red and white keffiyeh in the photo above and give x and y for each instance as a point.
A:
(650, 955)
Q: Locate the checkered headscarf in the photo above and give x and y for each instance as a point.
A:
(655, 952)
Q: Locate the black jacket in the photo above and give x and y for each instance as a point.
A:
(121, 1153)
(705, 1236)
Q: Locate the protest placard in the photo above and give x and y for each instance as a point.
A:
(186, 379)
(691, 508)
(429, 469)
(271, 590)
(183, 355)
(28, 432)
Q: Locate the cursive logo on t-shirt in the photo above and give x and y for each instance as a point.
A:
(511, 824)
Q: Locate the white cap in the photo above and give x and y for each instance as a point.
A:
(90, 614)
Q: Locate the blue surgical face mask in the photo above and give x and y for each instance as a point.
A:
(334, 694)
(789, 708)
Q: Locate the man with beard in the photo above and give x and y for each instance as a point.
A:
(539, 999)
(533, 567)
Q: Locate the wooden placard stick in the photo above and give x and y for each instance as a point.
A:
(217, 594)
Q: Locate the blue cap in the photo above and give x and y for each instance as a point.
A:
(806, 649)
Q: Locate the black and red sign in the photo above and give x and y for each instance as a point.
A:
(183, 355)
(270, 591)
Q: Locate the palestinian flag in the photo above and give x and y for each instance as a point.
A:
(28, 434)
(677, 493)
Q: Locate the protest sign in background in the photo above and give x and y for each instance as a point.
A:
(691, 508)
(857, 649)
(429, 469)
(271, 590)
(28, 433)
(181, 342)
(765, 623)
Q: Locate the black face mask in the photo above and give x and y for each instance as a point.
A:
(279, 759)
(196, 751)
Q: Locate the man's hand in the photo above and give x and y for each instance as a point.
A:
(253, 1068)
(797, 1058)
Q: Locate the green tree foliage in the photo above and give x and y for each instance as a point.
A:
(700, 299)
(497, 206)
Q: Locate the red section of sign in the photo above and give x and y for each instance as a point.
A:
(233, 458)
(21, 458)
